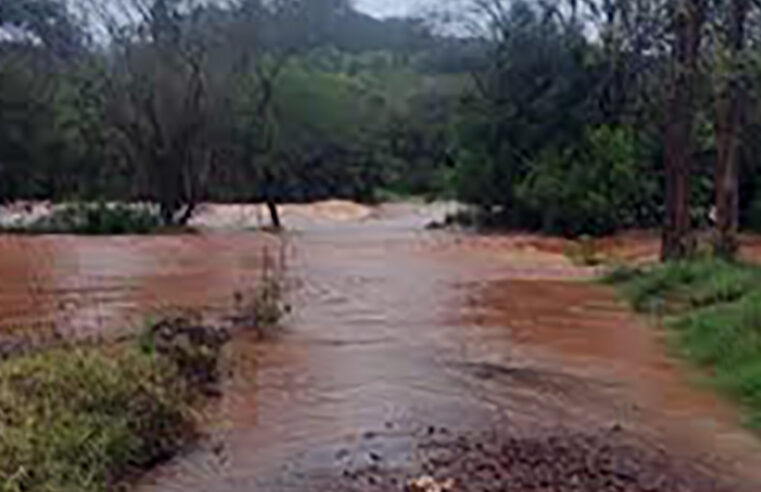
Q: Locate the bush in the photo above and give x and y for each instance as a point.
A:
(87, 419)
(98, 219)
(595, 188)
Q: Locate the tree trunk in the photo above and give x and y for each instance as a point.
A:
(730, 103)
(187, 214)
(274, 215)
(688, 21)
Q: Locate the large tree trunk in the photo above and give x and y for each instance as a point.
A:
(730, 102)
(688, 20)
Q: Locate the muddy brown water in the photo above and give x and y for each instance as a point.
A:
(396, 332)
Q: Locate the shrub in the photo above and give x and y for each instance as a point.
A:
(595, 188)
(98, 219)
(87, 419)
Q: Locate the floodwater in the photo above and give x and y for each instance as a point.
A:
(77, 287)
(395, 331)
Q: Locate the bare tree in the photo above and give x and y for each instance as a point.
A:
(271, 34)
(159, 103)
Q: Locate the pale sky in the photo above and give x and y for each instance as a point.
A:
(386, 8)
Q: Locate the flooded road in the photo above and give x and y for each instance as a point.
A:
(398, 333)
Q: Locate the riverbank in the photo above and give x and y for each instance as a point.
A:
(712, 309)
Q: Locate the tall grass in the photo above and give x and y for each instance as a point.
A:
(714, 309)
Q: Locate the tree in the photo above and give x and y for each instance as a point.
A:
(687, 18)
(39, 43)
(163, 103)
(731, 104)
(533, 65)
(46, 23)
(272, 34)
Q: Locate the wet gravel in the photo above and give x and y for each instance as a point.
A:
(560, 461)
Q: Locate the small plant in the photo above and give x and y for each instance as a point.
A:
(264, 307)
(584, 252)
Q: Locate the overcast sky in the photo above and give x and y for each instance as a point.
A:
(385, 8)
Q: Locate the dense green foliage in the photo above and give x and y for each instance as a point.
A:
(546, 119)
(596, 186)
(715, 315)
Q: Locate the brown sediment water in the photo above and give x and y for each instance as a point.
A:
(81, 287)
(397, 332)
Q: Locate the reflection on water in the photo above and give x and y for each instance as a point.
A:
(396, 330)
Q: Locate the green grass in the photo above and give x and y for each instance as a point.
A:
(689, 284)
(89, 419)
(714, 309)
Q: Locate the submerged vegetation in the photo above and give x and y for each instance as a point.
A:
(713, 309)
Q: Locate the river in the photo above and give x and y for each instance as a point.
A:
(397, 332)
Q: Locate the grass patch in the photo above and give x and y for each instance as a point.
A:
(686, 285)
(90, 419)
(715, 309)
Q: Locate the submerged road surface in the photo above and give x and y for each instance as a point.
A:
(402, 336)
